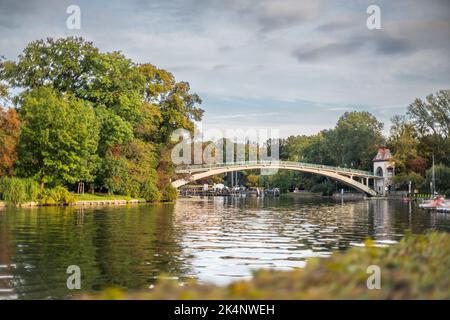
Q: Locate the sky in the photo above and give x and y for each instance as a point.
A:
(291, 65)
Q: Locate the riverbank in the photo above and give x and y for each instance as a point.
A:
(86, 199)
(302, 194)
(415, 268)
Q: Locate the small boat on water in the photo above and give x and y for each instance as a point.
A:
(437, 203)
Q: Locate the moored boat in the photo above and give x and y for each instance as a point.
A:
(438, 203)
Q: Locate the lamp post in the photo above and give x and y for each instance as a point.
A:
(433, 190)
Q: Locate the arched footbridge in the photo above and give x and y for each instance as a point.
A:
(357, 179)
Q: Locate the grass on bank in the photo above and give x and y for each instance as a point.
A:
(416, 268)
(102, 197)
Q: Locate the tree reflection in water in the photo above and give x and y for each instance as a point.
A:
(215, 239)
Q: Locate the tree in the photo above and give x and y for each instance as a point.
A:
(355, 139)
(431, 118)
(404, 144)
(433, 115)
(326, 187)
(252, 180)
(403, 179)
(130, 170)
(59, 138)
(442, 177)
(283, 180)
(295, 147)
(114, 130)
(69, 65)
(318, 150)
(9, 135)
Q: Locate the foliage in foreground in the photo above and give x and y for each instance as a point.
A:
(416, 268)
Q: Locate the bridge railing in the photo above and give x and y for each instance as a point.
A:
(200, 167)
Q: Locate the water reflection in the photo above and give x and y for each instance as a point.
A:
(216, 240)
(127, 247)
(229, 237)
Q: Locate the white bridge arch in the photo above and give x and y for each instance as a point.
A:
(344, 175)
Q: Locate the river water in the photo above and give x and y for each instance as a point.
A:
(214, 240)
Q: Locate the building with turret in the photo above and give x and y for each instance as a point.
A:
(383, 166)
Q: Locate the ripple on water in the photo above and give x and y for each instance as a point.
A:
(215, 240)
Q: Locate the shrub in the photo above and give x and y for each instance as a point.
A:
(32, 189)
(326, 188)
(150, 192)
(17, 191)
(169, 193)
(56, 195)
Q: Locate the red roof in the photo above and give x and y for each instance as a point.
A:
(384, 154)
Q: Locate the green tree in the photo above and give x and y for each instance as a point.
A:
(318, 149)
(66, 64)
(295, 147)
(403, 179)
(114, 130)
(355, 139)
(59, 138)
(283, 179)
(442, 176)
(431, 118)
(403, 143)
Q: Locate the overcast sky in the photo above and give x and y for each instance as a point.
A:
(296, 65)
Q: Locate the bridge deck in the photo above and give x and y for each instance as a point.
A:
(242, 165)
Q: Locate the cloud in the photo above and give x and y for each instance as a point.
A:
(273, 14)
(326, 51)
(388, 45)
(337, 25)
(263, 55)
(378, 43)
(15, 14)
(247, 115)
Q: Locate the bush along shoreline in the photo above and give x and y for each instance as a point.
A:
(21, 192)
(415, 268)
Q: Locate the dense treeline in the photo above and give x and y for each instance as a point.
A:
(85, 116)
(352, 143)
(80, 116)
(414, 138)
